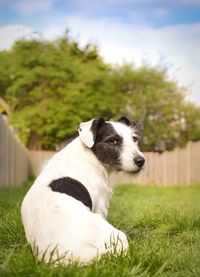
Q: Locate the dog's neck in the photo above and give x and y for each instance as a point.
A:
(91, 173)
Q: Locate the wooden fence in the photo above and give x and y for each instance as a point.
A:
(39, 159)
(14, 158)
(178, 167)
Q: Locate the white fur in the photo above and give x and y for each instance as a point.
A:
(130, 148)
(86, 134)
(60, 227)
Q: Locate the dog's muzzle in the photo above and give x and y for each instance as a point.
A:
(139, 161)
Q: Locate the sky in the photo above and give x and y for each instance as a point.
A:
(158, 33)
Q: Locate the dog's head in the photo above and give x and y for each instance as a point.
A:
(115, 143)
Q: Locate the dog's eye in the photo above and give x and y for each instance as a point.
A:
(135, 139)
(112, 141)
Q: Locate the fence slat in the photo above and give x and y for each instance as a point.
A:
(178, 167)
(14, 158)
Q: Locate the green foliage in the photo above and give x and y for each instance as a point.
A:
(162, 224)
(52, 86)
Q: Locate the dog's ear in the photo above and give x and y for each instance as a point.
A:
(126, 121)
(88, 131)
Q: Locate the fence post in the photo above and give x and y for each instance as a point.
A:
(188, 162)
(14, 159)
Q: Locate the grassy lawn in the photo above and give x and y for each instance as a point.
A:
(163, 226)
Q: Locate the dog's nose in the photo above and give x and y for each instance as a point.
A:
(139, 161)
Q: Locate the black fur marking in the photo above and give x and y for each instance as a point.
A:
(133, 124)
(72, 188)
(108, 146)
(126, 121)
(97, 123)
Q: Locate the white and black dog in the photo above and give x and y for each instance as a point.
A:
(64, 211)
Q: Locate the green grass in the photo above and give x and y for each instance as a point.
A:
(163, 226)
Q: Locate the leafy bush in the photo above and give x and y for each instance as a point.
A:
(52, 86)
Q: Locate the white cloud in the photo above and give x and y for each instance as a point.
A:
(9, 34)
(176, 46)
(28, 7)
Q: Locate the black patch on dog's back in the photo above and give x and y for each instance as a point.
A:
(72, 188)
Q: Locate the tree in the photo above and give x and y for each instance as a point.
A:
(52, 86)
(158, 102)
